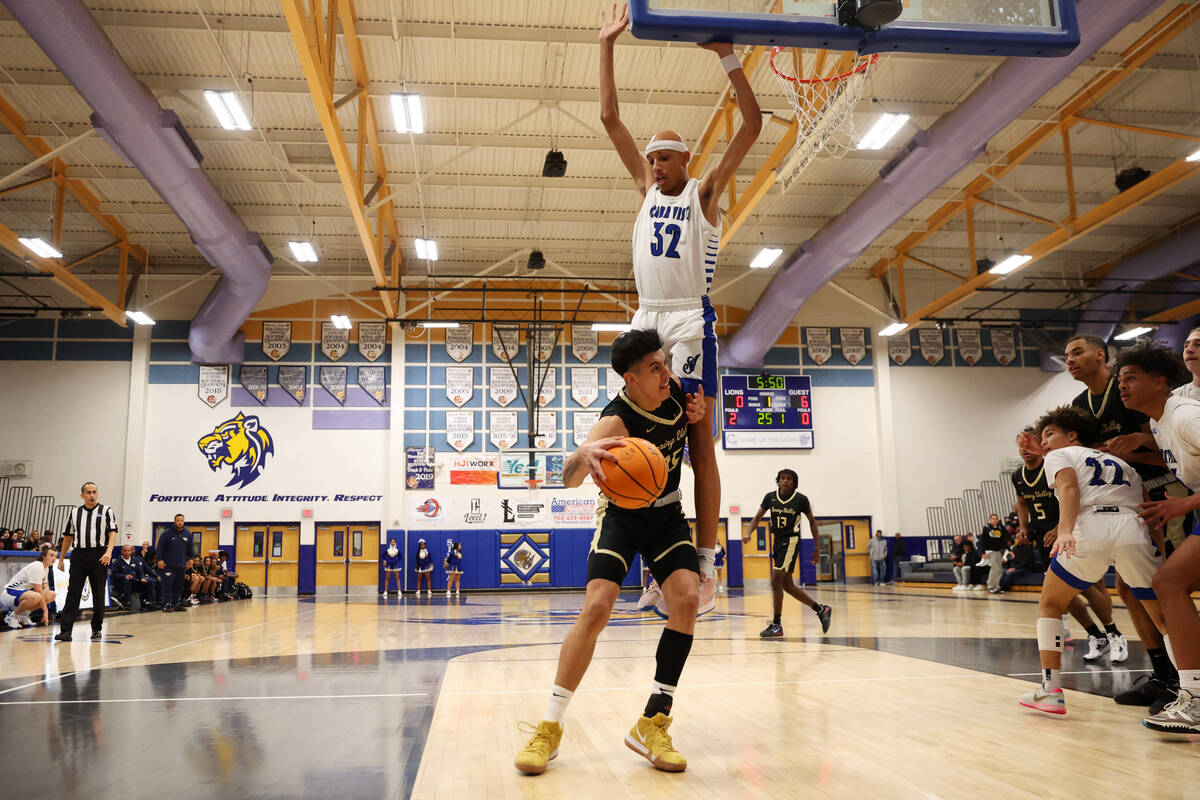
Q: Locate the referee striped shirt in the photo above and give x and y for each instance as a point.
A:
(91, 526)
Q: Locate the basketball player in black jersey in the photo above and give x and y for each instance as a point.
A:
(1037, 516)
(786, 506)
(652, 406)
(1126, 434)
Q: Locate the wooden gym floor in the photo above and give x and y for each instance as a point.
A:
(912, 694)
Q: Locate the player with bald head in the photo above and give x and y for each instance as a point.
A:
(676, 239)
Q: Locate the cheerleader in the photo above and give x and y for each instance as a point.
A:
(719, 563)
(454, 569)
(424, 569)
(393, 562)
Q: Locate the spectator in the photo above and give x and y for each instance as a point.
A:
(151, 588)
(877, 549)
(213, 569)
(5, 539)
(166, 584)
(972, 560)
(47, 537)
(958, 558)
(125, 574)
(992, 540)
(18, 539)
(173, 548)
(1021, 563)
(230, 577)
(899, 552)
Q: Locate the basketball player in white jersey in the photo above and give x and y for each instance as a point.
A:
(675, 243)
(1191, 360)
(1099, 526)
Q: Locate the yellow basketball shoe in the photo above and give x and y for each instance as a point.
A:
(542, 747)
(649, 738)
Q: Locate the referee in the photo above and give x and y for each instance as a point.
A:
(93, 525)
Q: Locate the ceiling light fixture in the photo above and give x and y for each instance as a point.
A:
(883, 131)
(435, 324)
(612, 327)
(426, 249)
(39, 247)
(303, 251)
(766, 257)
(140, 317)
(341, 321)
(894, 328)
(1013, 262)
(228, 110)
(1194, 157)
(406, 112)
(1133, 333)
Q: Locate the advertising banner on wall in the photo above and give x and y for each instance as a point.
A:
(900, 348)
(460, 429)
(503, 428)
(372, 339)
(854, 344)
(502, 385)
(582, 422)
(819, 343)
(506, 341)
(254, 381)
(460, 385)
(933, 348)
(1004, 345)
(371, 380)
(460, 341)
(276, 339)
(473, 470)
(335, 341)
(334, 381)
(212, 385)
(585, 385)
(418, 467)
(294, 381)
(583, 342)
(970, 347)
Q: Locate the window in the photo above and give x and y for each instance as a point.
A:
(258, 544)
(276, 544)
(356, 547)
(339, 549)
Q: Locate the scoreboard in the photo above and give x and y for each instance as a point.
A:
(767, 412)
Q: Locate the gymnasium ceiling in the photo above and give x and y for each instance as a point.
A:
(503, 83)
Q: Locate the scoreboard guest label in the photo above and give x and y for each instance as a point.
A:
(767, 412)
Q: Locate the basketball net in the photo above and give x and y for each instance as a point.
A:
(824, 106)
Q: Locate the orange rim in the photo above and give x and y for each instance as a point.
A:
(807, 81)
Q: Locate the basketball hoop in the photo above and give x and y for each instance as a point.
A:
(824, 107)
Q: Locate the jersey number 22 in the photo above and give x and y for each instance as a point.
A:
(656, 244)
(1098, 473)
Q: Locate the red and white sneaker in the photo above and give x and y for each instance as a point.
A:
(1041, 700)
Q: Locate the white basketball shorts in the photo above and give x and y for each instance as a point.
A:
(1107, 538)
(688, 331)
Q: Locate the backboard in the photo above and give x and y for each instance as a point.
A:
(1028, 28)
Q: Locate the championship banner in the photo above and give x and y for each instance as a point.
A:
(254, 381)
(582, 422)
(335, 341)
(584, 344)
(614, 385)
(460, 341)
(854, 345)
(970, 346)
(543, 341)
(506, 341)
(418, 467)
(503, 427)
(933, 349)
(334, 381)
(1004, 345)
(460, 429)
(900, 348)
(502, 385)
(371, 380)
(460, 385)
(819, 343)
(212, 386)
(585, 385)
(294, 381)
(547, 429)
(372, 339)
(547, 384)
(276, 339)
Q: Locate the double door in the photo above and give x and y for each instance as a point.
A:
(268, 556)
(347, 556)
(205, 536)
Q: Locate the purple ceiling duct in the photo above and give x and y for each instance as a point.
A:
(152, 139)
(931, 159)
(1175, 253)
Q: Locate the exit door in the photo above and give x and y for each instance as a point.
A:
(268, 556)
(830, 568)
(347, 557)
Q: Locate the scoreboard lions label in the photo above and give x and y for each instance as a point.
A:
(767, 412)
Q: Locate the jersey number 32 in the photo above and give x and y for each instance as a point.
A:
(671, 232)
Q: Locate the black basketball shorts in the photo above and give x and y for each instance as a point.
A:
(785, 552)
(661, 535)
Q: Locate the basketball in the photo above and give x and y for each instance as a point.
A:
(638, 475)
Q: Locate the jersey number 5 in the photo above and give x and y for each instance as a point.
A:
(656, 245)
(1098, 473)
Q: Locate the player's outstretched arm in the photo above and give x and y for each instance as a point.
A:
(610, 112)
(753, 524)
(743, 139)
(591, 455)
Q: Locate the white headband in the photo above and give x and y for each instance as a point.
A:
(666, 144)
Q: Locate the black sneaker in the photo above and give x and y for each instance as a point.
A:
(1158, 705)
(1145, 691)
(62, 637)
(824, 614)
(773, 631)
(97, 636)
(167, 609)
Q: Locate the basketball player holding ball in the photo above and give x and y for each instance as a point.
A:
(653, 407)
(676, 238)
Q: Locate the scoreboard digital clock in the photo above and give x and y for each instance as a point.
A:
(767, 412)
